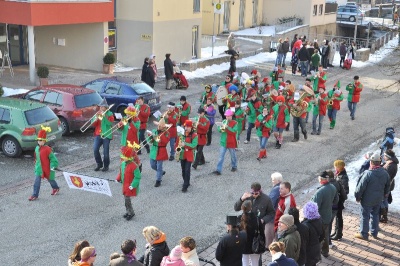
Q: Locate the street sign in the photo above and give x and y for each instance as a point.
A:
(218, 8)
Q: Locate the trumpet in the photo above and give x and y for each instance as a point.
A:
(222, 125)
(179, 148)
(330, 102)
(100, 116)
(121, 123)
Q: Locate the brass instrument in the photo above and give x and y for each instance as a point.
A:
(151, 137)
(121, 123)
(330, 102)
(100, 116)
(301, 105)
(179, 148)
(223, 126)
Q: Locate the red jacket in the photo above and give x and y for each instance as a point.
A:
(144, 114)
(284, 204)
(188, 152)
(322, 105)
(173, 120)
(202, 128)
(183, 118)
(162, 154)
(128, 178)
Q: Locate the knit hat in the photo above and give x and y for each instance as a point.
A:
(326, 174)
(228, 112)
(337, 84)
(280, 98)
(188, 123)
(310, 211)
(339, 164)
(376, 157)
(287, 220)
(265, 80)
(176, 253)
(42, 134)
(183, 98)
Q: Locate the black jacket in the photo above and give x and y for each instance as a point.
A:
(392, 171)
(168, 68)
(155, 253)
(148, 76)
(262, 207)
(230, 249)
(251, 231)
(304, 234)
(144, 67)
(232, 67)
(315, 235)
(285, 47)
(303, 54)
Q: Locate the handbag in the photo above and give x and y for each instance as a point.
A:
(258, 245)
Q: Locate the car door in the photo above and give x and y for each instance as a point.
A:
(34, 95)
(111, 92)
(55, 101)
(5, 120)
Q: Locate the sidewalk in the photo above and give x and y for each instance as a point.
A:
(348, 251)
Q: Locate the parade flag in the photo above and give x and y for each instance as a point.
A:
(86, 183)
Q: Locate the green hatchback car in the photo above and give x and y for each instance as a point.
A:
(20, 121)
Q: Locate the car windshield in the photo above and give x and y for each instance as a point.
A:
(85, 100)
(142, 88)
(39, 115)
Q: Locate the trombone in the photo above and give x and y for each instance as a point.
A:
(88, 123)
(151, 136)
(121, 123)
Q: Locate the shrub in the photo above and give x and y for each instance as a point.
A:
(43, 72)
(109, 58)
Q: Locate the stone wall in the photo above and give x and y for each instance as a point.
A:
(269, 42)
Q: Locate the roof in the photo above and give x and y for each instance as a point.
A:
(67, 89)
(21, 104)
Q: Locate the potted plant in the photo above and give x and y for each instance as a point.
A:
(43, 74)
(108, 66)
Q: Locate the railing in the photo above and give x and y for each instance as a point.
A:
(206, 41)
(279, 26)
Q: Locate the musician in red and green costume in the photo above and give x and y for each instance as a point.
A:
(353, 98)
(207, 94)
(158, 152)
(185, 110)
(187, 143)
(203, 125)
(335, 96)
(319, 110)
(171, 117)
(228, 142)
(130, 131)
(319, 79)
(227, 83)
(144, 114)
(45, 163)
(254, 108)
(232, 97)
(264, 124)
(239, 116)
(102, 123)
(281, 117)
(129, 176)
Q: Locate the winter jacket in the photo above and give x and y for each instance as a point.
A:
(342, 50)
(123, 261)
(315, 60)
(274, 195)
(343, 179)
(326, 196)
(284, 204)
(45, 160)
(372, 186)
(191, 258)
(304, 234)
(325, 50)
(232, 67)
(262, 207)
(168, 68)
(292, 241)
(155, 253)
(364, 167)
(315, 233)
(279, 48)
(148, 76)
(251, 228)
(303, 54)
(354, 90)
(285, 47)
(391, 168)
(341, 194)
(166, 261)
(230, 249)
(283, 261)
(210, 114)
(144, 68)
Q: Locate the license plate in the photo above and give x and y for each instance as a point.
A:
(152, 101)
(51, 138)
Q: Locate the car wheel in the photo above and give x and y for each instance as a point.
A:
(121, 110)
(352, 19)
(64, 126)
(11, 147)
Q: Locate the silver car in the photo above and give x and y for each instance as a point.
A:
(348, 13)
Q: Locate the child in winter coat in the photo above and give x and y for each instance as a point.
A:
(174, 258)
(342, 52)
(315, 60)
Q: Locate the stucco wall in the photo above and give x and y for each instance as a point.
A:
(78, 52)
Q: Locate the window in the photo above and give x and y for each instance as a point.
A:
(39, 116)
(314, 10)
(53, 97)
(35, 95)
(196, 6)
(85, 100)
(112, 88)
(321, 9)
(4, 116)
(96, 86)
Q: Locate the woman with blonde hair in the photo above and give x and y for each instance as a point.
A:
(88, 256)
(277, 250)
(341, 177)
(76, 253)
(156, 247)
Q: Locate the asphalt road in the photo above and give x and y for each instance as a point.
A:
(44, 232)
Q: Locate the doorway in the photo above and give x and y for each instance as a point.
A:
(255, 13)
(17, 43)
(242, 11)
(227, 14)
(195, 41)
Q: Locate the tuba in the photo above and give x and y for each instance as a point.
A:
(301, 105)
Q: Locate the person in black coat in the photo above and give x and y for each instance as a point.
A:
(144, 68)
(148, 75)
(304, 234)
(304, 58)
(232, 68)
(231, 247)
(277, 250)
(251, 224)
(313, 221)
(156, 247)
(169, 71)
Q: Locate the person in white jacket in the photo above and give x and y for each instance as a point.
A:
(189, 253)
(332, 52)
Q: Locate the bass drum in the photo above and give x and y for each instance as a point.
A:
(221, 93)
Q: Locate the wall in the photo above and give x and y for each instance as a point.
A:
(328, 29)
(84, 45)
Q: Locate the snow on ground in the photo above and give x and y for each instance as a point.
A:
(249, 40)
(207, 51)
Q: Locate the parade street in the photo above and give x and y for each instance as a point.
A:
(44, 232)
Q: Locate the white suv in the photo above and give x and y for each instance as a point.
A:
(348, 13)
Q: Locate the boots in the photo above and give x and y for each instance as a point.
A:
(277, 146)
(384, 212)
(279, 143)
(264, 155)
(296, 137)
(260, 154)
(338, 235)
(332, 125)
(304, 134)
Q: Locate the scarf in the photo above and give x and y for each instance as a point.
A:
(277, 255)
(374, 167)
(130, 257)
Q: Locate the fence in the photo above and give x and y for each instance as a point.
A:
(283, 26)
(206, 41)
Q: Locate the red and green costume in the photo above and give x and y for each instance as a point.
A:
(320, 107)
(130, 132)
(281, 115)
(158, 150)
(185, 112)
(230, 100)
(45, 160)
(172, 120)
(264, 125)
(354, 90)
(229, 137)
(254, 108)
(144, 114)
(189, 147)
(335, 99)
(130, 177)
(205, 95)
(104, 125)
(203, 124)
(319, 81)
(239, 117)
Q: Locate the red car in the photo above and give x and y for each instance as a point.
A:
(73, 105)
